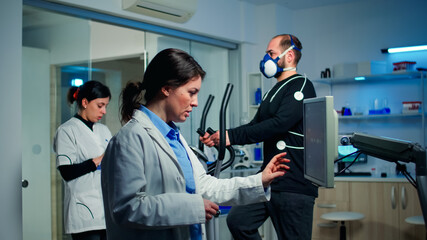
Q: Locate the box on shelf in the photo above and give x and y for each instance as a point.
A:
(371, 68)
(405, 66)
(344, 70)
(411, 107)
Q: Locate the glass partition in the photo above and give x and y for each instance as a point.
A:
(55, 48)
(58, 48)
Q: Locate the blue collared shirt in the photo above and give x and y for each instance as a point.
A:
(171, 134)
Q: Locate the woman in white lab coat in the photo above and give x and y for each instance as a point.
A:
(80, 144)
(153, 185)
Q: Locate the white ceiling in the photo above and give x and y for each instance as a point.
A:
(36, 18)
(299, 4)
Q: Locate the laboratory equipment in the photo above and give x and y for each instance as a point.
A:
(215, 168)
(320, 140)
(395, 150)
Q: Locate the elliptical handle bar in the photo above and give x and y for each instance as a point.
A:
(222, 126)
(203, 119)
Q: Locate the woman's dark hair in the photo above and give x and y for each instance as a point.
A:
(170, 67)
(90, 90)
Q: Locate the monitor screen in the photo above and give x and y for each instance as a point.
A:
(345, 150)
(320, 140)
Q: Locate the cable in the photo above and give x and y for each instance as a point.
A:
(410, 179)
(402, 168)
(339, 159)
(354, 160)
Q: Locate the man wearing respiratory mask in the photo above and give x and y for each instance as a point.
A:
(269, 67)
(278, 123)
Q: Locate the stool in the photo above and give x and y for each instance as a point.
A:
(416, 220)
(342, 217)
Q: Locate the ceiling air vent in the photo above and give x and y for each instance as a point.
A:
(172, 10)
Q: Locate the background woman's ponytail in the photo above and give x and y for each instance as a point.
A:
(71, 95)
(132, 97)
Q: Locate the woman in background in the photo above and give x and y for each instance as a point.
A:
(153, 185)
(80, 144)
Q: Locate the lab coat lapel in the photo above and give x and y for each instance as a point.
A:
(156, 136)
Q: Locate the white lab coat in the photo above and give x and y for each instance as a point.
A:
(144, 187)
(74, 143)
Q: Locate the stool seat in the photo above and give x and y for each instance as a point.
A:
(342, 216)
(417, 220)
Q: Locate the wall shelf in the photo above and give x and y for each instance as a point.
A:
(360, 117)
(391, 88)
(254, 82)
(372, 78)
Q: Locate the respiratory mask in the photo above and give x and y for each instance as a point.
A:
(269, 67)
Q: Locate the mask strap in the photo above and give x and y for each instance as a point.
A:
(290, 48)
(292, 43)
(286, 51)
(290, 69)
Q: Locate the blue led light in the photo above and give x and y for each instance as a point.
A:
(76, 82)
(407, 49)
(359, 78)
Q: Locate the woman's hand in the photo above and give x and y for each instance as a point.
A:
(211, 209)
(97, 160)
(275, 168)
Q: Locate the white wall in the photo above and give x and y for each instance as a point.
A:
(219, 18)
(356, 31)
(68, 42)
(10, 120)
(349, 32)
(231, 20)
(106, 36)
(36, 144)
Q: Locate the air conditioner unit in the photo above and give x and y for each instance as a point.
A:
(172, 10)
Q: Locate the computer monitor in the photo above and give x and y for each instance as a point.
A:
(320, 140)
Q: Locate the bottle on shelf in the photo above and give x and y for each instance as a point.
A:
(258, 96)
(374, 172)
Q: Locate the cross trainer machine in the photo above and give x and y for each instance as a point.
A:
(215, 168)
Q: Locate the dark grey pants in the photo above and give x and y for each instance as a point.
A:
(290, 213)
(90, 235)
